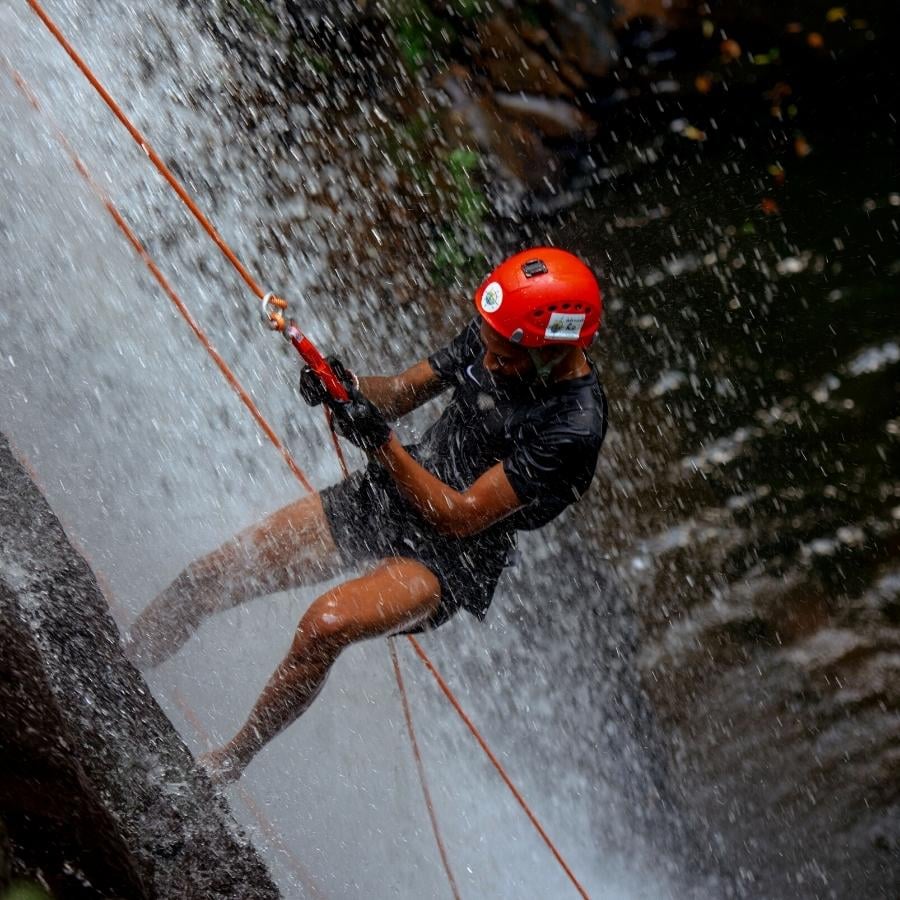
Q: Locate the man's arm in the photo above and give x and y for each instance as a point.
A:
(451, 512)
(397, 395)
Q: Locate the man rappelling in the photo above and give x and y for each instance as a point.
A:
(431, 525)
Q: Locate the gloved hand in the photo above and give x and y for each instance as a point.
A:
(311, 388)
(360, 421)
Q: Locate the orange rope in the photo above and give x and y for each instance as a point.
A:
(189, 714)
(252, 284)
(144, 144)
(420, 766)
(338, 449)
(163, 282)
(496, 763)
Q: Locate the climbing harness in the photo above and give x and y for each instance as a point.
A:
(272, 310)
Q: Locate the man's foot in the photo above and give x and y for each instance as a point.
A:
(220, 766)
(167, 621)
(144, 650)
(134, 652)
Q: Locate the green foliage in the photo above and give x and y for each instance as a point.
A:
(452, 263)
(416, 129)
(261, 14)
(765, 59)
(24, 890)
(471, 204)
(420, 35)
(453, 259)
(313, 60)
(469, 9)
(449, 257)
(424, 37)
(462, 161)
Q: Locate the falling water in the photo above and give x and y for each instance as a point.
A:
(150, 460)
(738, 550)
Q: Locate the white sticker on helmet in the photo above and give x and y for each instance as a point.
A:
(564, 326)
(492, 297)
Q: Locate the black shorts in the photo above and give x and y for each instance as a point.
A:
(370, 520)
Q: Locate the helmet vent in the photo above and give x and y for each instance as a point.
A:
(534, 267)
(517, 335)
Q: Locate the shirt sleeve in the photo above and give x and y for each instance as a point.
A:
(462, 351)
(552, 469)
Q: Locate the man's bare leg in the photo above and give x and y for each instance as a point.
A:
(291, 547)
(396, 595)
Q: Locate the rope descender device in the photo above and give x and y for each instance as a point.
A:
(272, 309)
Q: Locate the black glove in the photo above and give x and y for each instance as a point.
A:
(311, 388)
(360, 421)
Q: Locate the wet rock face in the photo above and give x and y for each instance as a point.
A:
(530, 69)
(98, 795)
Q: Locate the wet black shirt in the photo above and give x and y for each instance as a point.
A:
(548, 437)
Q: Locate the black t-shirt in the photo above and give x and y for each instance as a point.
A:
(548, 437)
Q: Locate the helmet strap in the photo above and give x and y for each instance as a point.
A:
(542, 366)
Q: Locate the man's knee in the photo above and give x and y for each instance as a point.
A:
(327, 624)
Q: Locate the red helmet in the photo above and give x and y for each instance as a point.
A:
(541, 297)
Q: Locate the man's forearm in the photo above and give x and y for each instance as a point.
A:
(438, 503)
(387, 393)
(396, 395)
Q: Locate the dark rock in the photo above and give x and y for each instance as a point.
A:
(582, 34)
(512, 65)
(553, 118)
(473, 118)
(98, 794)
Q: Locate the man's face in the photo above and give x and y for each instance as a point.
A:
(504, 359)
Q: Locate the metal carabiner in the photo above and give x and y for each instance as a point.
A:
(272, 319)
